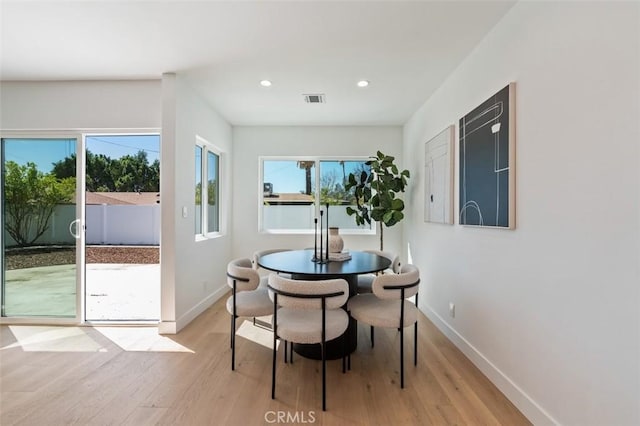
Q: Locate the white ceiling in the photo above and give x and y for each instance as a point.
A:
(406, 50)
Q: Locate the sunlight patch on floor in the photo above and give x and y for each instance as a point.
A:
(256, 334)
(141, 339)
(52, 339)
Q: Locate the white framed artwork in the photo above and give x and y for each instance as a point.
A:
(438, 175)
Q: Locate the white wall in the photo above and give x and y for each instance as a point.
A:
(550, 310)
(252, 142)
(80, 105)
(193, 273)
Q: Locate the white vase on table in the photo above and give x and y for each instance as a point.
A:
(336, 244)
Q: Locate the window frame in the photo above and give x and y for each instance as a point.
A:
(210, 148)
(371, 230)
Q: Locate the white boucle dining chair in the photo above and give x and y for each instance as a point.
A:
(308, 312)
(259, 253)
(366, 280)
(387, 307)
(248, 298)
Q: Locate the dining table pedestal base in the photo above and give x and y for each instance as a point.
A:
(344, 344)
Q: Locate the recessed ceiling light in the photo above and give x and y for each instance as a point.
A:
(363, 83)
(265, 83)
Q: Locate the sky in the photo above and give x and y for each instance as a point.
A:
(119, 146)
(45, 152)
(287, 177)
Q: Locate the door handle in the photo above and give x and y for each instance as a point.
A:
(75, 234)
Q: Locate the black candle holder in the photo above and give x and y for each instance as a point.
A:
(322, 258)
(315, 240)
(327, 246)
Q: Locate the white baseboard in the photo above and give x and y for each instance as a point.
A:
(173, 327)
(531, 410)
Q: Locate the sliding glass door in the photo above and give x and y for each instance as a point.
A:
(42, 228)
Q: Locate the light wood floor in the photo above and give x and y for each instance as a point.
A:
(60, 376)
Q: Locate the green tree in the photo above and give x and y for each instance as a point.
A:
(130, 173)
(99, 177)
(198, 194)
(212, 196)
(65, 168)
(30, 198)
(211, 193)
(332, 191)
(153, 180)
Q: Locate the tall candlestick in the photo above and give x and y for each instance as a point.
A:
(315, 239)
(327, 257)
(321, 212)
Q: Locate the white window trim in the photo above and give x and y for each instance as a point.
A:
(317, 159)
(208, 147)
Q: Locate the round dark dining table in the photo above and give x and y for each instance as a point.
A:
(298, 263)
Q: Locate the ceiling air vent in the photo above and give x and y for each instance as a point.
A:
(314, 99)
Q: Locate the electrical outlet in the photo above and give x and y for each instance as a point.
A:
(452, 310)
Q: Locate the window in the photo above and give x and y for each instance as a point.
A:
(213, 192)
(207, 189)
(294, 190)
(198, 206)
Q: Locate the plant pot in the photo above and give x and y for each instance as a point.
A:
(335, 240)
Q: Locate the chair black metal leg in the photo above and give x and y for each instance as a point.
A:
(231, 333)
(291, 352)
(344, 355)
(415, 338)
(401, 358)
(233, 342)
(372, 341)
(233, 328)
(275, 339)
(285, 351)
(273, 368)
(324, 377)
(415, 343)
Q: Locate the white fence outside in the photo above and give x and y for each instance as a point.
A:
(123, 224)
(140, 225)
(58, 231)
(301, 217)
(106, 224)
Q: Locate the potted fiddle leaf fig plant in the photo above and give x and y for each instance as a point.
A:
(376, 193)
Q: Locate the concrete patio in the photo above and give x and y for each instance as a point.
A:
(116, 292)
